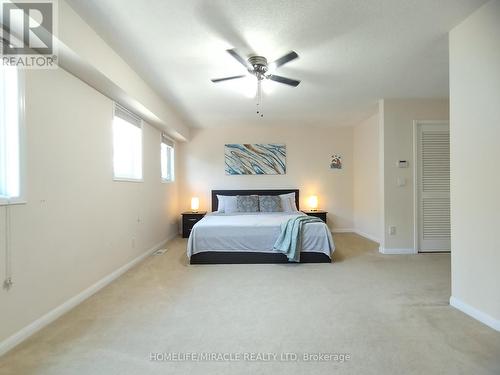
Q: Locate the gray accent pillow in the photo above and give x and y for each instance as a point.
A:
(247, 203)
(270, 203)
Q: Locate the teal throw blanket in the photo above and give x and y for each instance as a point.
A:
(289, 241)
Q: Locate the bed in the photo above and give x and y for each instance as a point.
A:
(231, 238)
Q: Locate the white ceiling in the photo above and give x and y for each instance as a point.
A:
(351, 53)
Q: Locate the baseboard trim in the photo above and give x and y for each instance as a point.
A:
(359, 233)
(475, 313)
(23, 334)
(342, 230)
(397, 251)
(366, 235)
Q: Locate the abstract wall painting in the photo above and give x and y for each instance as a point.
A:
(336, 162)
(255, 159)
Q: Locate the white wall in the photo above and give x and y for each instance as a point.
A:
(475, 154)
(366, 205)
(78, 224)
(398, 116)
(308, 158)
(85, 54)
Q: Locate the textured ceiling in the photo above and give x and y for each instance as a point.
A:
(351, 53)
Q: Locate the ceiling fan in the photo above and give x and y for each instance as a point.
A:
(259, 67)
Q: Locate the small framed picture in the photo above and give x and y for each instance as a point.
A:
(336, 162)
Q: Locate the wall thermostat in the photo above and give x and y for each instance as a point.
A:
(403, 163)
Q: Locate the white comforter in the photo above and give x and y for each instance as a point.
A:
(255, 232)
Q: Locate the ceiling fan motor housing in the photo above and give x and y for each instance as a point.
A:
(259, 64)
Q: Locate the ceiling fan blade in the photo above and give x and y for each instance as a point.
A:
(240, 59)
(292, 55)
(227, 78)
(286, 81)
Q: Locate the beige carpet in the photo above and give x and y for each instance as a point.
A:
(389, 313)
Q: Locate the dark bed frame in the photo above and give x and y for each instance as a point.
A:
(242, 257)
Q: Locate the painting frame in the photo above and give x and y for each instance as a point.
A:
(255, 159)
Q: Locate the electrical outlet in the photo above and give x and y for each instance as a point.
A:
(392, 230)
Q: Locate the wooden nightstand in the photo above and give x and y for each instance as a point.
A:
(318, 213)
(189, 219)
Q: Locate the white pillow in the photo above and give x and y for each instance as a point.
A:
(227, 203)
(288, 202)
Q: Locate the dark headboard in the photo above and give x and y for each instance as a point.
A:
(215, 201)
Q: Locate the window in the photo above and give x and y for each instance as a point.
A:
(11, 106)
(127, 145)
(167, 159)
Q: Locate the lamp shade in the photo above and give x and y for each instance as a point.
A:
(195, 203)
(312, 201)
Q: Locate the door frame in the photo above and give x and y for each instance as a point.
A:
(416, 216)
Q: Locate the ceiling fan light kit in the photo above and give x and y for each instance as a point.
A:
(258, 67)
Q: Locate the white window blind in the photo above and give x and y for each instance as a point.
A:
(167, 159)
(127, 145)
(10, 136)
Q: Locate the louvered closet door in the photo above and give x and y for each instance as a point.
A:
(433, 184)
